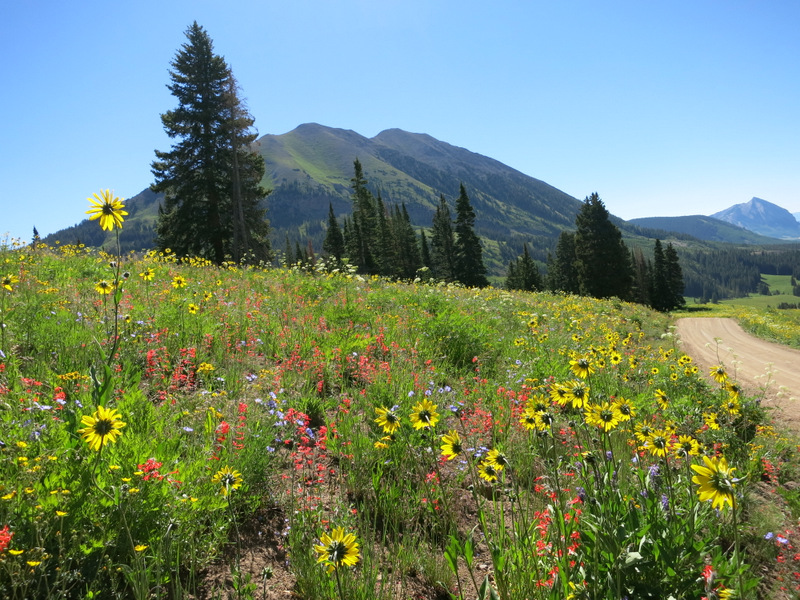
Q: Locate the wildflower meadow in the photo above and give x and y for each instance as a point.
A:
(173, 429)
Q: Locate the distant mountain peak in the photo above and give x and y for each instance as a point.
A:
(762, 217)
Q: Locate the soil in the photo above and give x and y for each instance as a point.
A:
(762, 368)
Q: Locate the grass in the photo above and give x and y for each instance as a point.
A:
(249, 399)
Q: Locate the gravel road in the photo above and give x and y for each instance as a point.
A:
(755, 364)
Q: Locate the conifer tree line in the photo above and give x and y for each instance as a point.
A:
(380, 240)
(594, 261)
(211, 177)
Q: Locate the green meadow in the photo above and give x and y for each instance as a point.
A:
(173, 429)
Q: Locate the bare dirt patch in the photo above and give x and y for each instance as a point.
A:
(760, 367)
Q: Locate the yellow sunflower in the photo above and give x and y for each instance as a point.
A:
(424, 415)
(581, 367)
(605, 416)
(387, 419)
(578, 394)
(108, 208)
(104, 287)
(451, 445)
(147, 274)
(498, 459)
(104, 425)
(228, 478)
(718, 374)
(716, 481)
(8, 282)
(337, 549)
(488, 471)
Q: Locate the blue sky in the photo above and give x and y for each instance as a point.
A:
(663, 108)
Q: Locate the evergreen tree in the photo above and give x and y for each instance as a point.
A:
(334, 240)
(659, 290)
(674, 276)
(289, 258)
(642, 278)
(443, 243)
(424, 250)
(210, 179)
(408, 256)
(602, 259)
(524, 274)
(562, 274)
(365, 223)
(468, 256)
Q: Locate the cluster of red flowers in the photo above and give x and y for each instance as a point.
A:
(238, 441)
(5, 538)
(160, 369)
(222, 435)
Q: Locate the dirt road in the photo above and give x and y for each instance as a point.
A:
(754, 363)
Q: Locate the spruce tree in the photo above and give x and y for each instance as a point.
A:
(523, 274)
(210, 178)
(424, 250)
(602, 259)
(468, 256)
(674, 276)
(562, 273)
(443, 243)
(364, 224)
(659, 286)
(334, 240)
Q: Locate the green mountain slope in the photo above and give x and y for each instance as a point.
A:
(705, 228)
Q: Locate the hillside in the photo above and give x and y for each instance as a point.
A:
(311, 166)
(705, 228)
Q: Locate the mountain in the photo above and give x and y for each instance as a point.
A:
(762, 217)
(311, 166)
(704, 228)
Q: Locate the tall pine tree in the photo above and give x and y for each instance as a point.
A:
(562, 272)
(210, 177)
(443, 243)
(468, 264)
(602, 258)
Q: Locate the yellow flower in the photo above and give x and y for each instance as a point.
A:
(686, 446)
(497, 459)
(104, 424)
(337, 549)
(204, 368)
(711, 420)
(387, 419)
(451, 445)
(605, 416)
(178, 281)
(8, 281)
(193, 308)
(581, 367)
(104, 287)
(147, 274)
(716, 481)
(15, 552)
(108, 209)
(626, 409)
(718, 373)
(662, 399)
(659, 443)
(34, 563)
(424, 415)
(488, 471)
(228, 479)
(140, 548)
(578, 393)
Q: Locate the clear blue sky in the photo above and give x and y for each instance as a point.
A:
(663, 108)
